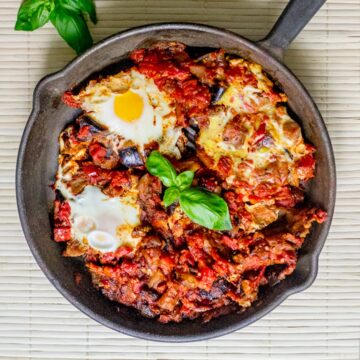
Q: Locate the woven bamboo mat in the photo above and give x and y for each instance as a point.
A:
(36, 322)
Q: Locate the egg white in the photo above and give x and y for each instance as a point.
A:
(101, 222)
(141, 131)
(157, 118)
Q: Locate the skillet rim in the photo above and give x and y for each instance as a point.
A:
(267, 308)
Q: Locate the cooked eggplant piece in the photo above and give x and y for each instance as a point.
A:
(130, 157)
(273, 272)
(186, 142)
(194, 125)
(191, 133)
(216, 93)
(59, 196)
(84, 120)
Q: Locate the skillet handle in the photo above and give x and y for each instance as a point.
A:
(292, 20)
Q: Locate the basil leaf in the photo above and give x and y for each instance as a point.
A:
(72, 28)
(171, 195)
(88, 6)
(81, 6)
(185, 179)
(33, 14)
(161, 167)
(205, 208)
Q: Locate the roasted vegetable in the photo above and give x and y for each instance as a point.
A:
(130, 157)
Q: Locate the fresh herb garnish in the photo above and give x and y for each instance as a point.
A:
(171, 195)
(67, 16)
(161, 167)
(205, 208)
(201, 206)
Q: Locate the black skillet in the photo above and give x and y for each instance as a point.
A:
(37, 161)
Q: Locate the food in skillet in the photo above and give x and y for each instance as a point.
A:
(182, 184)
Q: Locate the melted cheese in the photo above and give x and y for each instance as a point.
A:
(284, 144)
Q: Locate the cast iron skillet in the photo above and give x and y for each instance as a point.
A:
(37, 162)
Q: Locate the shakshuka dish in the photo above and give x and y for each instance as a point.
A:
(181, 184)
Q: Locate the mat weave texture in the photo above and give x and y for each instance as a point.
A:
(36, 322)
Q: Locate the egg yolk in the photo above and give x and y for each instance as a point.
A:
(128, 106)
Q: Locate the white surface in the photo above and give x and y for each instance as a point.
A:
(320, 323)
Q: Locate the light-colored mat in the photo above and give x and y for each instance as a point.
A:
(320, 323)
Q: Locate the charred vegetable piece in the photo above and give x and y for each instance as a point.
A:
(186, 143)
(191, 133)
(87, 129)
(130, 157)
(104, 157)
(216, 93)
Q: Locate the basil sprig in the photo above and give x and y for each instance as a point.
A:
(205, 208)
(67, 16)
(201, 206)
